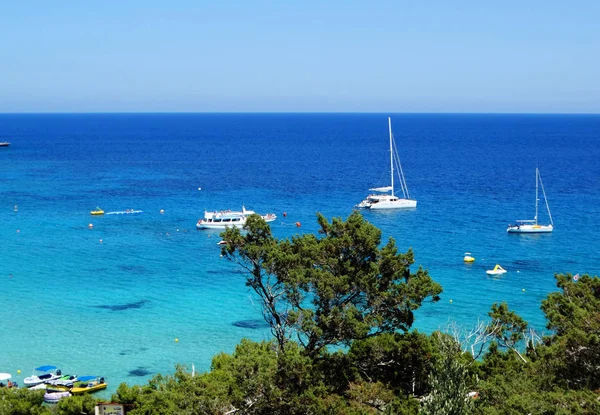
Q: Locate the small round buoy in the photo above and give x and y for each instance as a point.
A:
(100, 240)
(450, 300)
(162, 211)
(298, 224)
(523, 289)
(19, 372)
(91, 225)
(18, 231)
(199, 188)
(284, 214)
(176, 340)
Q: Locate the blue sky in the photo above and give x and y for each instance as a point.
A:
(339, 56)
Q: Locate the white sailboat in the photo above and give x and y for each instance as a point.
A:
(382, 199)
(532, 226)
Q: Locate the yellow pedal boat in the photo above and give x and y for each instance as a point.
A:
(98, 211)
(88, 384)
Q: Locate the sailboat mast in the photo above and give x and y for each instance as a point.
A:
(537, 174)
(391, 155)
(545, 198)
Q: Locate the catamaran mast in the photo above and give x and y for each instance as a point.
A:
(391, 154)
(537, 175)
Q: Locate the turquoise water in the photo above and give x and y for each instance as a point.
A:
(112, 300)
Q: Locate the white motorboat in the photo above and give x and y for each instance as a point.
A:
(382, 199)
(44, 374)
(532, 226)
(229, 218)
(498, 270)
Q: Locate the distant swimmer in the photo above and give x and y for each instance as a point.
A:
(16, 208)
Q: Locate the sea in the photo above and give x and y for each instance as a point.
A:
(127, 296)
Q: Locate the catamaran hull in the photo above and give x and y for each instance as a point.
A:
(530, 229)
(400, 204)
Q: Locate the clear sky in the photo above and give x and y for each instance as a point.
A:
(287, 56)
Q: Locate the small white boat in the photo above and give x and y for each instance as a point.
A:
(45, 373)
(468, 257)
(532, 226)
(383, 200)
(229, 218)
(498, 270)
(54, 397)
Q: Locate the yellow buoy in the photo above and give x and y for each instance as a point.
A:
(19, 371)
(176, 340)
(450, 300)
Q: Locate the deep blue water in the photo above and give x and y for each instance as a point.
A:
(114, 308)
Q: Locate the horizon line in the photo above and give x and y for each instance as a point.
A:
(288, 112)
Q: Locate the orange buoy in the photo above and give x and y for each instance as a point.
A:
(298, 224)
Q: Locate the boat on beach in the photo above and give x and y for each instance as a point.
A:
(229, 218)
(88, 384)
(62, 384)
(382, 199)
(45, 373)
(532, 226)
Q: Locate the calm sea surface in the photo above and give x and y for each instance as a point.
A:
(112, 300)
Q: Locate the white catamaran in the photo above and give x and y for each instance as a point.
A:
(532, 226)
(383, 200)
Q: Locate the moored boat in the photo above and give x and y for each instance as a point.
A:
(229, 218)
(4, 144)
(498, 270)
(468, 258)
(45, 373)
(88, 384)
(532, 226)
(63, 383)
(382, 199)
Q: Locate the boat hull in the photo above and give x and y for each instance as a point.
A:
(88, 389)
(229, 219)
(530, 229)
(398, 204)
